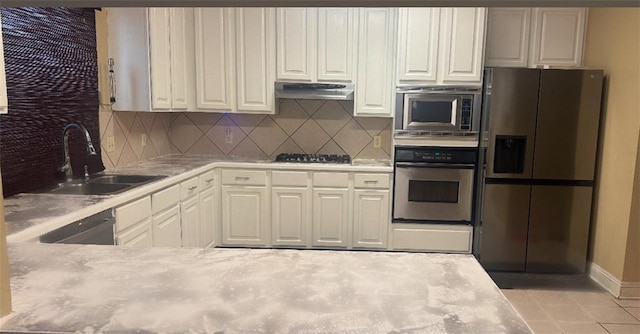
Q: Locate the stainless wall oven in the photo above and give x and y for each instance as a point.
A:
(454, 110)
(434, 184)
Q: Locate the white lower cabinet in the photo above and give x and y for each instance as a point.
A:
(133, 223)
(207, 217)
(330, 217)
(166, 228)
(190, 217)
(289, 216)
(371, 218)
(244, 216)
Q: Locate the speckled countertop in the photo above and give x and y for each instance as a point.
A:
(30, 215)
(106, 289)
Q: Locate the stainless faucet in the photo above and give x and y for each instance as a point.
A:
(66, 168)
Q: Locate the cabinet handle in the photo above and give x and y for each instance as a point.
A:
(193, 188)
(208, 181)
(371, 181)
(242, 178)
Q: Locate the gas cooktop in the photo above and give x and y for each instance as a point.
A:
(314, 158)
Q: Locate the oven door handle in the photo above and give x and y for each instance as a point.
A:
(433, 165)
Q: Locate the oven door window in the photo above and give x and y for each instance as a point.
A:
(433, 191)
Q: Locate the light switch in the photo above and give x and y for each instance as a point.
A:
(111, 144)
(377, 142)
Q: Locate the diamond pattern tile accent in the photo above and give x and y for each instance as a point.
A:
(331, 117)
(217, 134)
(291, 116)
(310, 137)
(204, 121)
(248, 149)
(369, 152)
(135, 136)
(158, 135)
(147, 119)
(128, 157)
(373, 125)
(120, 141)
(247, 122)
(184, 133)
(204, 146)
(352, 138)
(348, 106)
(311, 106)
(331, 148)
(268, 136)
(289, 146)
(104, 118)
(125, 119)
(385, 139)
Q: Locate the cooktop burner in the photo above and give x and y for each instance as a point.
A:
(314, 158)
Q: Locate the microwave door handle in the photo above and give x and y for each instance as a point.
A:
(433, 165)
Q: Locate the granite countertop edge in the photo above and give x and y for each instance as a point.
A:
(25, 227)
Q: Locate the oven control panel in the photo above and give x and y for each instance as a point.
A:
(436, 154)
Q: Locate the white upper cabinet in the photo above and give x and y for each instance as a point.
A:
(418, 33)
(558, 36)
(296, 43)
(462, 45)
(508, 37)
(315, 44)
(521, 37)
(255, 52)
(3, 82)
(153, 50)
(376, 48)
(337, 34)
(215, 59)
(440, 46)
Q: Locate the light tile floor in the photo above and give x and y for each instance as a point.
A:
(568, 304)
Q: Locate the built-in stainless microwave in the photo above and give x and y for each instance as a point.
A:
(452, 110)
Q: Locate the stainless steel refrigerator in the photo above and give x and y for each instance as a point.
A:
(541, 139)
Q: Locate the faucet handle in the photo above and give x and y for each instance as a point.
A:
(86, 172)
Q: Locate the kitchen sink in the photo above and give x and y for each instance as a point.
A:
(86, 188)
(105, 184)
(127, 179)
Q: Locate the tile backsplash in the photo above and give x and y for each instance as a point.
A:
(301, 126)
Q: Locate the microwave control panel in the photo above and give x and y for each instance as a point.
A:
(465, 118)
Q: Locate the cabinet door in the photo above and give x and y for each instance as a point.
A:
(3, 83)
(558, 36)
(330, 217)
(190, 220)
(179, 18)
(337, 34)
(160, 57)
(141, 235)
(296, 43)
(166, 228)
(462, 45)
(418, 45)
(508, 37)
(289, 216)
(371, 218)
(255, 53)
(244, 216)
(215, 58)
(207, 217)
(376, 49)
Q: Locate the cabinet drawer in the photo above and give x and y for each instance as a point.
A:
(244, 177)
(371, 181)
(206, 180)
(435, 238)
(289, 179)
(339, 180)
(132, 213)
(164, 199)
(189, 188)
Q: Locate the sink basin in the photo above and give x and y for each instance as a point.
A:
(127, 179)
(88, 188)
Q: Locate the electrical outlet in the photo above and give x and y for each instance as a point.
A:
(228, 136)
(111, 144)
(377, 142)
(144, 140)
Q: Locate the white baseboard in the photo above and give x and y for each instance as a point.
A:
(619, 289)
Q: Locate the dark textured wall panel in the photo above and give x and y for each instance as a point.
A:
(52, 79)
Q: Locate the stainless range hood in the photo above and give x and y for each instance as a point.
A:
(314, 91)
